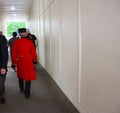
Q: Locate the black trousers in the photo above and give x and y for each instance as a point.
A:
(2, 85)
(25, 86)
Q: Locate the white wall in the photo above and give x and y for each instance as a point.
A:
(70, 49)
(100, 80)
(79, 47)
(58, 42)
(2, 26)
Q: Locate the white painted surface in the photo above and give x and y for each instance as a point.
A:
(100, 89)
(86, 29)
(59, 44)
(47, 40)
(46, 4)
(55, 39)
(69, 47)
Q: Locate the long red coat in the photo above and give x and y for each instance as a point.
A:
(23, 55)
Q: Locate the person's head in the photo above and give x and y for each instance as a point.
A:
(1, 33)
(14, 34)
(22, 32)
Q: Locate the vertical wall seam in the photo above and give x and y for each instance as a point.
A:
(79, 87)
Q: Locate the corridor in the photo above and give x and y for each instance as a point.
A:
(78, 47)
(46, 97)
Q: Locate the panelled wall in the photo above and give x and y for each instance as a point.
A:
(100, 77)
(55, 22)
(79, 43)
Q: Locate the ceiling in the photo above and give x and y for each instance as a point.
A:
(15, 10)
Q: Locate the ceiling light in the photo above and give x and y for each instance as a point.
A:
(12, 8)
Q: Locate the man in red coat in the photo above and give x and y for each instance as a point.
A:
(24, 56)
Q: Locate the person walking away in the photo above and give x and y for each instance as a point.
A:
(32, 37)
(10, 43)
(3, 65)
(23, 56)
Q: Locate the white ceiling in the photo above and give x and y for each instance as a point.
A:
(21, 12)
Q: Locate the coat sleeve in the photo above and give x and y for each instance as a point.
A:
(4, 53)
(33, 53)
(14, 54)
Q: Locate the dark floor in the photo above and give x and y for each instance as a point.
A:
(46, 97)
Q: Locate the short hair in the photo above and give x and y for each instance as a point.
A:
(1, 32)
(14, 34)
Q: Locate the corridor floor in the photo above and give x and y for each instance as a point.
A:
(46, 97)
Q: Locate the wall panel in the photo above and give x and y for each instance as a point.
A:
(69, 47)
(100, 79)
(46, 4)
(47, 40)
(55, 39)
(42, 43)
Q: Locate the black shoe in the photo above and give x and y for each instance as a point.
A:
(27, 96)
(2, 100)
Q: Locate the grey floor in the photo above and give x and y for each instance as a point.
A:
(46, 97)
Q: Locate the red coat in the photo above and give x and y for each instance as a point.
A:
(23, 55)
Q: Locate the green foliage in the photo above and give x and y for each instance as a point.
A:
(13, 26)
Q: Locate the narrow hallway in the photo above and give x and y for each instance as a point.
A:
(46, 97)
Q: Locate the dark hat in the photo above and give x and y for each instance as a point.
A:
(22, 30)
